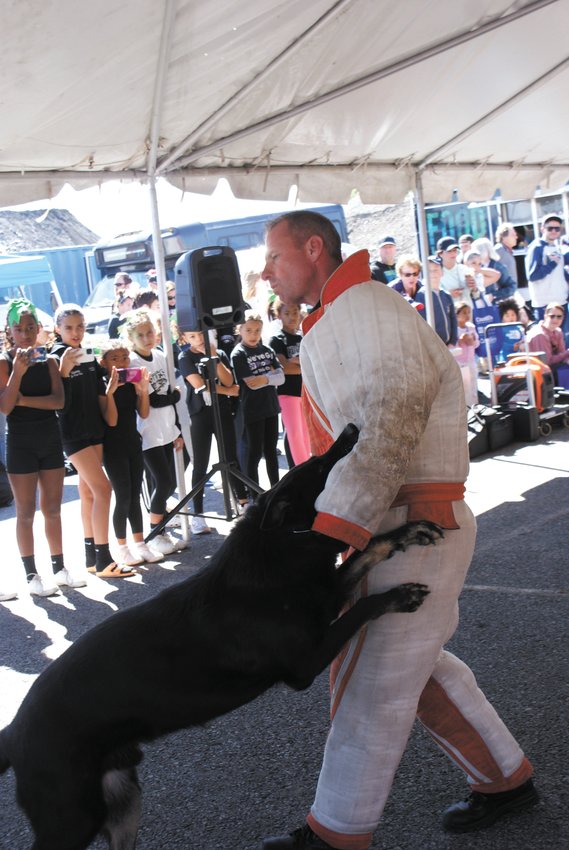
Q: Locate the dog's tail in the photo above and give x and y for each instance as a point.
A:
(5, 762)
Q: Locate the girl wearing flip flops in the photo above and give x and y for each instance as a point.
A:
(82, 429)
(31, 391)
(127, 397)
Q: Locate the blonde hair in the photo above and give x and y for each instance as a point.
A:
(138, 318)
(408, 260)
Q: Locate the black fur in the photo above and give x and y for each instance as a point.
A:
(266, 609)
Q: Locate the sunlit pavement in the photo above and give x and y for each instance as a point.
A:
(254, 771)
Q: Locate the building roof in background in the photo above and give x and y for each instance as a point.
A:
(33, 230)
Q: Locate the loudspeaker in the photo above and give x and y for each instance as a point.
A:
(208, 289)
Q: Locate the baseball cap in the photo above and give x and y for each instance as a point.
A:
(445, 243)
(387, 240)
(434, 258)
(151, 274)
(552, 217)
(122, 279)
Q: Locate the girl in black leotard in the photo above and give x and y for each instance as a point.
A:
(31, 391)
(127, 396)
(82, 429)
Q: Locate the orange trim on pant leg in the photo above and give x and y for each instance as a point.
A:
(463, 744)
(339, 840)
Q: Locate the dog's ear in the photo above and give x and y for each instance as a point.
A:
(274, 514)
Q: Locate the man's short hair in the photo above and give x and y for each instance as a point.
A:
(303, 224)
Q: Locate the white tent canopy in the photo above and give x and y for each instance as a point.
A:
(330, 96)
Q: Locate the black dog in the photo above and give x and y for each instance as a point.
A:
(265, 610)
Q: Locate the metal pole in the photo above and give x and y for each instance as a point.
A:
(166, 333)
(424, 247)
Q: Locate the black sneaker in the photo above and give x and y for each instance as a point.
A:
(301, 839)
(481, 810)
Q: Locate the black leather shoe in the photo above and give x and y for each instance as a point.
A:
(481, 810)
(301, 839)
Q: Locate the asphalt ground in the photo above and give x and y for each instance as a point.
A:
(253, 772)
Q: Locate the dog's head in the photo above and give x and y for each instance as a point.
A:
(289, 505)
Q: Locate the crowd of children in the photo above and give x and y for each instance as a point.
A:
(110, 414)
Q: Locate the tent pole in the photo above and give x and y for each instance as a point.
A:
(166, 333)
(424, 246)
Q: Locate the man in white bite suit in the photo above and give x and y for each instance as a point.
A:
(367, 357)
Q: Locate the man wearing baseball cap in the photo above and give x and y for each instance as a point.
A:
(384, 269)
(547, 261)
(454, 276)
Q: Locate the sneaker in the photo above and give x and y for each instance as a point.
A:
(126, 556)
(37, 587)
(146, 554)
(198, 525)
(7, 595)
(177, 544)
(63, 578)
(163, 544)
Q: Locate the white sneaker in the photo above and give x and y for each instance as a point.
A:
(127, 557)
(37, 588)
(163, 544)
(198, 525)
(63, 578)
(177, 544)
(7, 595)
(146, 554)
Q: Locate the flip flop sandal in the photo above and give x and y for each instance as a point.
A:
(116, 571)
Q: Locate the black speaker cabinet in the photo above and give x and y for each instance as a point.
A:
(208, 289)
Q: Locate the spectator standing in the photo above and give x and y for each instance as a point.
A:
(122, 450)
(465, 244)
(504, 286)
(506, 241)
(122, 305)
(259, 373)
(286, 345)
(202, 423)
(82, 429)
(408, 282)
(384, 269)
(411, 417)
(454, 275)
(547, 263)
(465, 351)
(31, 391)
(443, 304)
(160, 430)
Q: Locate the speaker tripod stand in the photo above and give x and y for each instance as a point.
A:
(228, 470)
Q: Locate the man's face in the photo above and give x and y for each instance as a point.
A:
(387, 254)
(435, 273)
(551, 231)
(449, 258)
(464, 244)
(288, 268)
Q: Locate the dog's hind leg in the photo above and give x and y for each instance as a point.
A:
(403, 598)
(383, 546)
(122, 795)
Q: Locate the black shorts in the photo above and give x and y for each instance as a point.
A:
(32, 449)
(71, 447)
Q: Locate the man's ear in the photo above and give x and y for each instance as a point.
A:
(314, 247)
(274, 515)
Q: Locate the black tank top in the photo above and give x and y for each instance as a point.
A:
(36, 381)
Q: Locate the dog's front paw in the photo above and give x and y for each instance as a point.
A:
(406, 597)
(421, 533)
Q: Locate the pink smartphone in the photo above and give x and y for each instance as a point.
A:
(132, 374)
